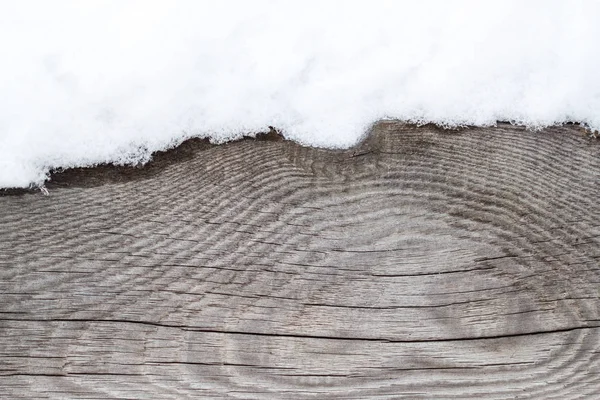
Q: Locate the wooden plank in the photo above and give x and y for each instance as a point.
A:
(422, 264)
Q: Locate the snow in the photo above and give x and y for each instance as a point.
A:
(87, 82)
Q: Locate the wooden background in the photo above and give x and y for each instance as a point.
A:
(421, 264)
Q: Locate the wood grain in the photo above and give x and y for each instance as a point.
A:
(422, 264)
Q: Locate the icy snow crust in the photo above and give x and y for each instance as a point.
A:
(86, 82)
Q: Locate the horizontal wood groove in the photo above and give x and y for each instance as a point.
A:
(284, 335)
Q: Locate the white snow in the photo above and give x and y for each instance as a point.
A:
(85, 82)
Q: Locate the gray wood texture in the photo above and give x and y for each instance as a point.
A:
(422, 264)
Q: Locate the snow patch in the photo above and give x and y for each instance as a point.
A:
(87, 82)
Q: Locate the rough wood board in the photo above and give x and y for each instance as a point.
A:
(423, 264)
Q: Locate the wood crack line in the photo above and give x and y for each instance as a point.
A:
(309, 336)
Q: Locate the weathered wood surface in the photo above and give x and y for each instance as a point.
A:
(423, 264)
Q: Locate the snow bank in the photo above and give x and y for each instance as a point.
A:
(85, 82)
